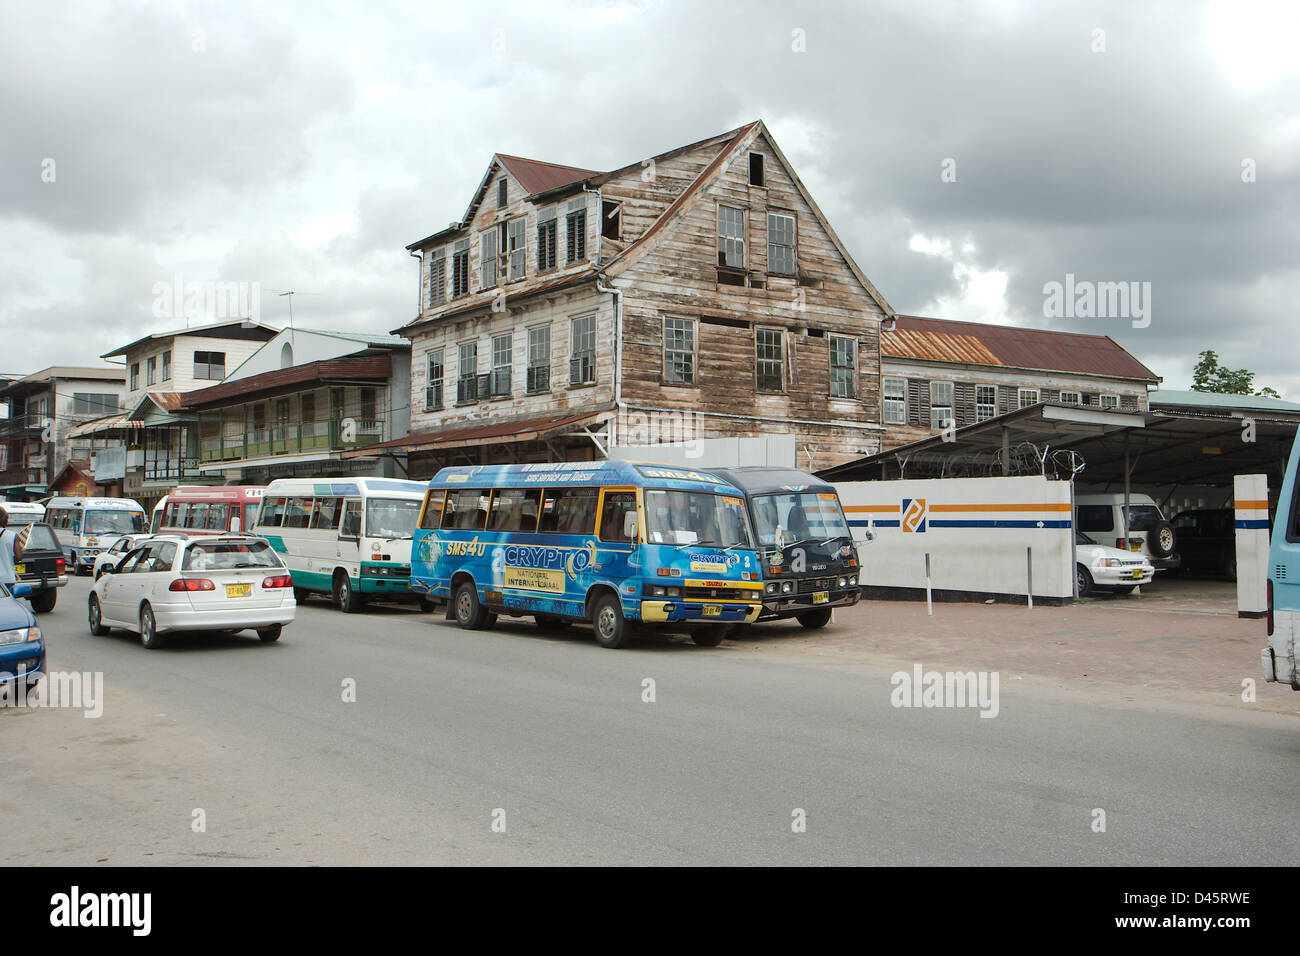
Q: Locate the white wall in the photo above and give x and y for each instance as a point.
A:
(976, 531)
(776, 451)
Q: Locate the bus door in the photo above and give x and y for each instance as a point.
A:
(619, 533)
(349, 537)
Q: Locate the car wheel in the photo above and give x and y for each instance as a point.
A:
(345, 596)
(149, 635)
(608, 622)
(709, 635)
(1084, 580)
(43, 601)
(269, 634)
(470, 613)
(814, 619)
(1126, 589)
(96, 617)
(1230, 568)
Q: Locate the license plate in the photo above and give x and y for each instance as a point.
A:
(1136, 574)
(238, 590)
(821, 597)
(712, 610)
(1135, 546)
(20, 569)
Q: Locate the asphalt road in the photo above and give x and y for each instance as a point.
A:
(547, 734)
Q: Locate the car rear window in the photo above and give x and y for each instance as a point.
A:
(42, 538)
(224, 555)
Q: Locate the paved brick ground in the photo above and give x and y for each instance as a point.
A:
(1138, 647)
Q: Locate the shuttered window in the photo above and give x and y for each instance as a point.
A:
(546, 243)
(437, 278)
(575, 233)
(460, 269)
(515, 247)
(844, 372)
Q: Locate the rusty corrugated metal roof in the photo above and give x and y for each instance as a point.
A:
(492, 433)
(975, 343)
(167, 401)
(538, 176)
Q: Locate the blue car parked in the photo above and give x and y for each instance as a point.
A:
(22, 648)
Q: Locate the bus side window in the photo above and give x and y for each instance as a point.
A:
(351, 527)
(613, 523)
(514, 509)
(576, 510)
(432, 517)
(466, 509)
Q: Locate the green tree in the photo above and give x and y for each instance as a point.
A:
(1210, 375)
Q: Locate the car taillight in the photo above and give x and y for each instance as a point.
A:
(191, 584)
(60, 564)
(1269, 592)
(278, 581)
(1121, 543)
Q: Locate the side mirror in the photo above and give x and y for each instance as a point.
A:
(630, 525)
(234, 524)
(108, 569)
(22, 590)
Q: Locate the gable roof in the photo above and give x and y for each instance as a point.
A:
(976, 343)
(237, 329)
(550, 177)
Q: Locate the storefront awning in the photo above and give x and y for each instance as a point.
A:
(107, 424)
(489, 433)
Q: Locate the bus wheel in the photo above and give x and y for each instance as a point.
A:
(300, 595)
(470, 614)
(345, 595)
(815, 619)
(708, 635)
(608, 622)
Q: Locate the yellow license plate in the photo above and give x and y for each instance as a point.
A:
(712, 610)
(20, 569)
(1135, 546)
(238, 590)
(1136, 573)
(821, 597)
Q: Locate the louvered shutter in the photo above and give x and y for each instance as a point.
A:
(963, 398)
(918, 401)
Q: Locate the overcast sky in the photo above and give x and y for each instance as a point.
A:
(301, 146)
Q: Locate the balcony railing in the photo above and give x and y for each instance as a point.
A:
(160, 469)
(23, 425)
(293, 438)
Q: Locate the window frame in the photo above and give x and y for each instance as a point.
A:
(724, 253)
(759, 330)
(950, 388)
(548, 258)
(831, 339)
(900, 399)
(517, 251)
(1020, 397)
(992, 406)
(429, 379)
(487, 261)
(531, 386)
(462, 377)
(692, 328)
(502, 363)
(793, 245)
(575, 354)
(438, 278)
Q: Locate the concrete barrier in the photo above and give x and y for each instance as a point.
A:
(1250, 496)
(985, 537)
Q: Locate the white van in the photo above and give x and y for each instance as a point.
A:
(23, 513)
(1101, 517)
(346, 537)
(86, 526)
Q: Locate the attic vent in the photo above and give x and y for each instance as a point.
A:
(815, 333)
(809, 282)
(756, 177)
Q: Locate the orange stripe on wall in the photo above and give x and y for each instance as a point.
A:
(872, 508)
(1051, 506)
(1252, 504)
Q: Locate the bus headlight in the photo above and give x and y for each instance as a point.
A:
(843, 582)
(772, 587)
(786, 587)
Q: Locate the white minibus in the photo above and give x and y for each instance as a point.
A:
(346, 537)
(86, 526)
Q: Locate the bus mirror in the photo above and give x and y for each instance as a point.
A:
(234, 523)
(630, 525)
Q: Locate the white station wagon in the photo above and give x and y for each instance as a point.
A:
(213, 583)
(1100, 566)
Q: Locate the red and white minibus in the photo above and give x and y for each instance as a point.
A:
(209, 509)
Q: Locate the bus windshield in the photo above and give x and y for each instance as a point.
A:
(802, 516)
(391, 517)
(113, 522)
(696, 517)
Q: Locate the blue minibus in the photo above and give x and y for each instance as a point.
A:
(622, 545)
(1283, 609)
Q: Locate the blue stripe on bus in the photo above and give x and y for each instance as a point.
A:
(1252, 523)
(887, 523)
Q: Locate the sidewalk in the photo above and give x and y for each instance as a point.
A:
(1136, 650)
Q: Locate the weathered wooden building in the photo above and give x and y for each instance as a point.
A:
(699, 293)
(938, 372)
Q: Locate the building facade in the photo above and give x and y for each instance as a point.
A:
(940, 373)
(45, 409)
(697, 294)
